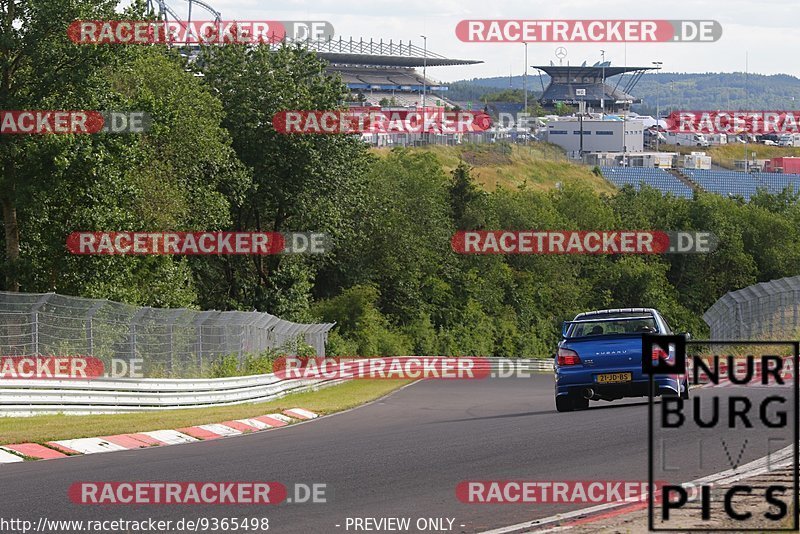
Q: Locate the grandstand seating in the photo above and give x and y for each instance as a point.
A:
(374, 79)
(348, 78)
(377, 83)
(726, 183)
(776, 182)
(657, 178)
(403, 79)
(385, 77)
(404, 99)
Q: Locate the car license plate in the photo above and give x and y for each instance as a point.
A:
(614, 378)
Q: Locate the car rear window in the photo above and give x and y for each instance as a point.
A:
(618, 325)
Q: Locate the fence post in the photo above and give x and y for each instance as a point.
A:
(202, 317)
(90, 325)
(176, 314)
(136, 317)
(35, 320)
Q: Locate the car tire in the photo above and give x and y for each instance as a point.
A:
(564, 403)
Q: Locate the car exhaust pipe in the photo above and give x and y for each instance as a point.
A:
(591, 394)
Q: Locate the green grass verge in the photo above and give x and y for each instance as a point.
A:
(42, 428)
(538, 166)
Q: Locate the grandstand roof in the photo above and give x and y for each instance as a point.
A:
(590, 71)
(379, 53)
(392, 61)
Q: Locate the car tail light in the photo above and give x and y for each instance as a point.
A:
(568, 357)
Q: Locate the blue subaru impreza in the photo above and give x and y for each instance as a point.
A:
(600, 358)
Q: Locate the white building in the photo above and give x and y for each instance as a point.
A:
(598, 135)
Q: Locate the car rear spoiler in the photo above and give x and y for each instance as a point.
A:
(566, 324)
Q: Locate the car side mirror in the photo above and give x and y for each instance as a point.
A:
(687, 335)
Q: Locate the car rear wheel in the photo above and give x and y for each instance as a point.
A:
(563, 403)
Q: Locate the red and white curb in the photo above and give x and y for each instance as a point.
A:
(19, 452)
(595, 514)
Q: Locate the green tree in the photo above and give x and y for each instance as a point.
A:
(463, 193)
(41, 69)
(300, 182)
(180, 175)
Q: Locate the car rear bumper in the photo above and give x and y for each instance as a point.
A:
(636, 388)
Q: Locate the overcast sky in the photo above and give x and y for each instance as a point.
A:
(765, 31)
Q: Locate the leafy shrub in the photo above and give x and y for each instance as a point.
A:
(224, 366)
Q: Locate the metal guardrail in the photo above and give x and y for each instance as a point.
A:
(124, 395)
(524, 364)
(31, 397)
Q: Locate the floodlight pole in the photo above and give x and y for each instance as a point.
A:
(603, 66)
(424, 80)
(424, 68)
(658, 95)
(580, 118)
(525, 92)
(525, 79)
(746, 105)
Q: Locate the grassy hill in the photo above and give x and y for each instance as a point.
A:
(725, 155)
(536, 166)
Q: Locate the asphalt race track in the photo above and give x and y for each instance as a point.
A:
(399, 457)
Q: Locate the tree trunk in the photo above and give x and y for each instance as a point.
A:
(7, 182)
(12, 243)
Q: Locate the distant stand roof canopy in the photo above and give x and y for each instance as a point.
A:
(566, 79)
(378, 53)
(392, 61)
